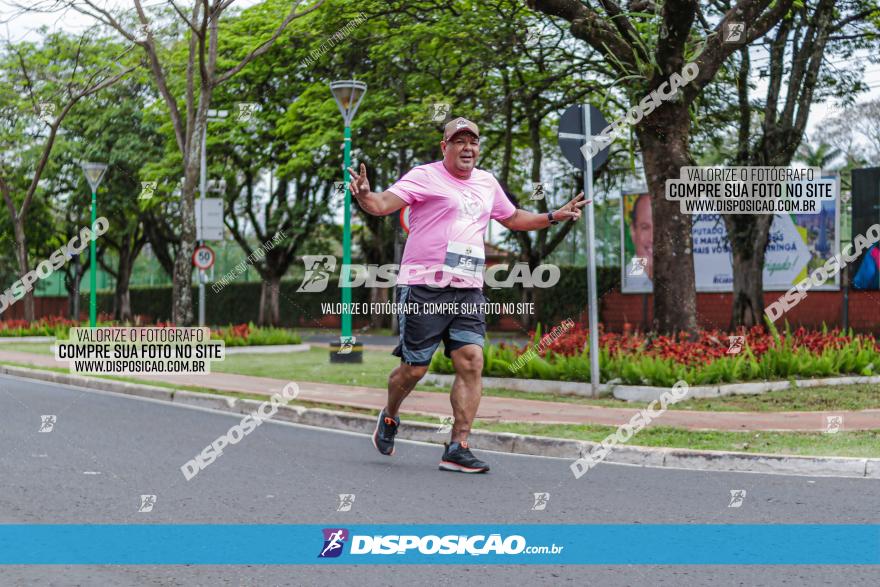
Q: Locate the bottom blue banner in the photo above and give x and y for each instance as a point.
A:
(606, 544)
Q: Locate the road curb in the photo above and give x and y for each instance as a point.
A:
(679, 458)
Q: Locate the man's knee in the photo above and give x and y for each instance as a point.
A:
(468, 360)
(413, 373)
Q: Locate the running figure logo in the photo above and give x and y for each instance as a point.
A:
(346, 500)
(147, 190)
(47, 423)
(736, 344)
(246, 111)
(833, 424)
(47, 112)
(541, 500)
(638, 266)
(737, 496)
(440, 111)
(318, 271)
(147, 503)
(734, 32)
(445, 424)
(334, 540)
(346, 345)
(537, 191)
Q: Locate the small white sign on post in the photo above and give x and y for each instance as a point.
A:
(209, 219)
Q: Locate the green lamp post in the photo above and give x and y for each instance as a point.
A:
(94, 173)
(348, 95)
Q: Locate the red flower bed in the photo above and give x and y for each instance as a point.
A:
(705, 347)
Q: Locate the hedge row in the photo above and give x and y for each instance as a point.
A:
(240, 302)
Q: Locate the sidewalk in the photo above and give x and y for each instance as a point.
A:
(499, 409)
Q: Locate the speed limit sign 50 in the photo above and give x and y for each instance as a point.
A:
(203, 257)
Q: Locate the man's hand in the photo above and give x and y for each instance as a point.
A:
(376, 204)
(572, 210)
(359, 185)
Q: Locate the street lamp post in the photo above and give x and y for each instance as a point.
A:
(94, 174)
(348, 95)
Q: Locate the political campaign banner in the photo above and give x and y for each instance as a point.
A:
(798, 244)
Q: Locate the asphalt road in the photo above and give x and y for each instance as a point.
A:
(106, 450)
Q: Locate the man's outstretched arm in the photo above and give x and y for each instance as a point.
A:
(525, 220)
(377, 204)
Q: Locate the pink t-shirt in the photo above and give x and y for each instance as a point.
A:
(447, 221)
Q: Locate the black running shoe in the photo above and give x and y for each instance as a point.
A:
(460, 459)
(383, 437)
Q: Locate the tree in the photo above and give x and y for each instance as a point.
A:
(821, 155)
(61, 71)
(206, 67)
(646, 48)
(797, 75)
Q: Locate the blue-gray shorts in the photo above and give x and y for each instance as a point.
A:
(421, 332)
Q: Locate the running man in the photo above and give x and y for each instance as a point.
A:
(451, 203)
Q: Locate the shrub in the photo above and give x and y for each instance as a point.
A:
(639, 359)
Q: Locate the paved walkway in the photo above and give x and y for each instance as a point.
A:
(500, 409)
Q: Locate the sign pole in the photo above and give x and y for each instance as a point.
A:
(203, 185)
(346, 238)
(591, 260)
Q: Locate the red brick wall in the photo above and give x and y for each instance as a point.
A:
(52, 306)
(713, 310)
(617, 309)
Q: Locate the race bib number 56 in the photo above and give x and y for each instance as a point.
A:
(465, 259)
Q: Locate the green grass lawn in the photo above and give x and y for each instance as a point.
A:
(314, 365)
(39, 348)
(864, 443)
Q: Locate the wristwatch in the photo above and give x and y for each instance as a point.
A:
(550, 218)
